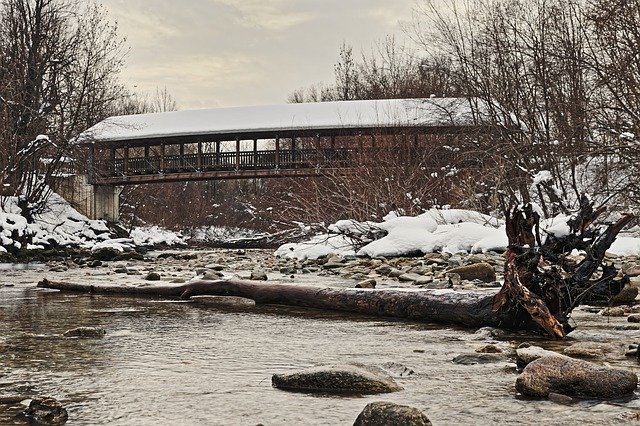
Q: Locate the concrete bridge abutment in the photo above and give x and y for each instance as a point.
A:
(94, 201)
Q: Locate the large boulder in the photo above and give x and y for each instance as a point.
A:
(478, 271)
(46, 411)
(388, 413)
(574, 378)
(346, 378)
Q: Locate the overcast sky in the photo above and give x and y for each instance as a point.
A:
(218, 53)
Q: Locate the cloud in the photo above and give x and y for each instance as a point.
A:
(194, 80)
(147, 27)
(272, 15)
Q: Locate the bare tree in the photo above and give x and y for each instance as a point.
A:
(59, 63)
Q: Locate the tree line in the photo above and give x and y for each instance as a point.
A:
(559, 82)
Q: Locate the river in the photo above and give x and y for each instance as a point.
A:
(170, 362)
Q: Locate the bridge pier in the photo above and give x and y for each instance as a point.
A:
(93, 201)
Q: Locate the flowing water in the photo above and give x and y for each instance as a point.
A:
(173, 363)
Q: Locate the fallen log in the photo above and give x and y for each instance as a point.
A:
(438, 306)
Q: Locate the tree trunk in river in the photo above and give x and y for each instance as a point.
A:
(441, 306)
(542, 283)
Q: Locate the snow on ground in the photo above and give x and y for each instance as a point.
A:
(154, 235)
(59, 224)
(216, 234)
(448, 231)
(318, 246)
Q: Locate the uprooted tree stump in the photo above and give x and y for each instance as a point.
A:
(542, 286)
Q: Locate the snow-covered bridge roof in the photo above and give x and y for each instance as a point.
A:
(295, 117)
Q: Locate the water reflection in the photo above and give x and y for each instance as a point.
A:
(211, 363)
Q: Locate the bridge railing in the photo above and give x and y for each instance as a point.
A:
(232, 160)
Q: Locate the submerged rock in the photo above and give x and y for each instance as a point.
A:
(388, 413)
(337, 379)
(574, 378)
(478, 358)
(478, 271)
(593, 350)
(46, 411)
(85, 332)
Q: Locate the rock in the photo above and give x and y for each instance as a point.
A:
(388, 413)
(59, 268)
(558, 398)
(129, 255)
(437, 285)
(212, 275)
(454, 278)
(152, 276)
(258, 275)
(615, 311)
(383, 269)
(370, 283)
(46, 411)
(493, 284)
(105, 254)
(527, 354)
(85, 332)
(121, 270)
(592, 350)
(489, 349)
(628, 294)
(178, 281)
(333, 265)
(633, 318)
(214, 267)
(95, 263)
(409, 277)
(424, 280)
(478, 358)
(394, 273)
(632, 270)
(478, 271)
(574, 378)
(346, 378)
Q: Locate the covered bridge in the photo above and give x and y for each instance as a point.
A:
(291, 140)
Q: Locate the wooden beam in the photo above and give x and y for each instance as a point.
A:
(112, 161)
(293, 150)
(91, 171)
(199, 155)
(182, 163)
(237, 153)
(162, 154)
(217, 154)
(277, 159)
(255, 153)
(125, 166)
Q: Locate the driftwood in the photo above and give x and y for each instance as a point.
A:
(441, 306)
(542, 285)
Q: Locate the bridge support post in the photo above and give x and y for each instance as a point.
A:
(93, 201)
